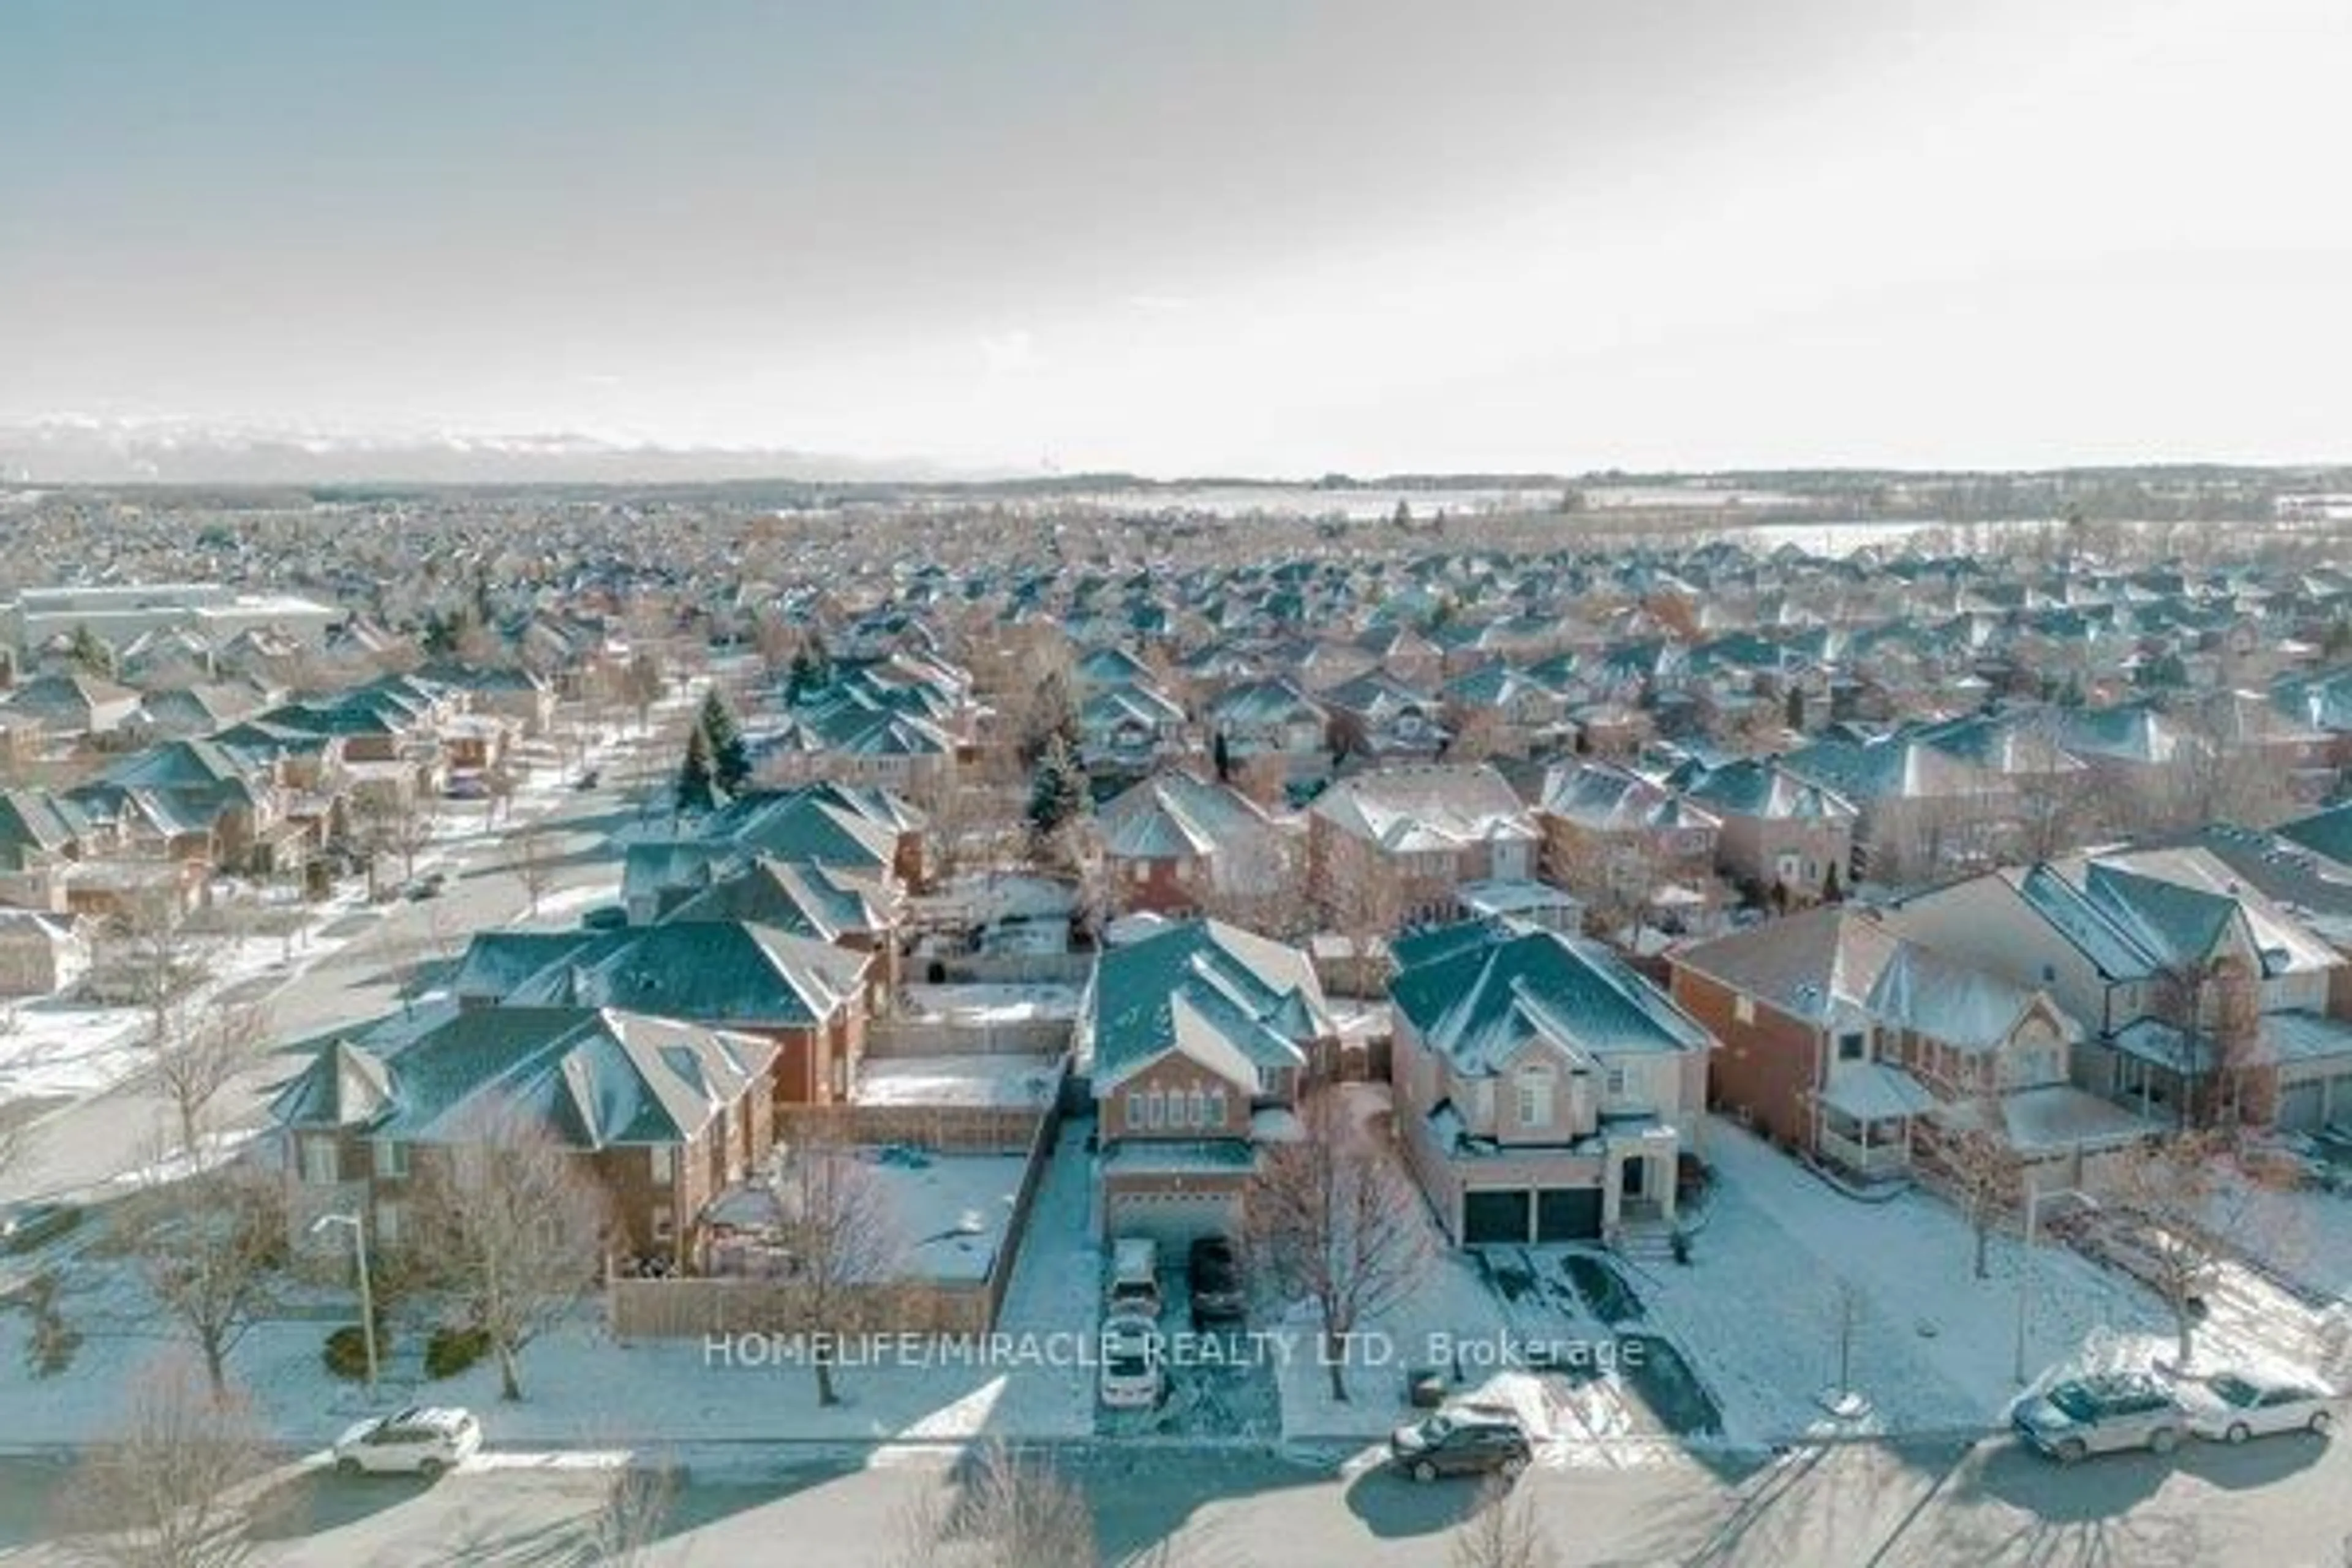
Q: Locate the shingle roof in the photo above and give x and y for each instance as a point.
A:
(1234, 1001)
(1479, 1003)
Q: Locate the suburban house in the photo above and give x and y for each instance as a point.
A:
(1402, 841)
(1865, 1051)
(1170, 839)
(1376, 719)
(40, 953)
(2189, 982)
(1272, 720)
(1778, 831)
(1544, 1091)
(1605, 824)
(1132, 730)
(808, 997)
(1920, 810)
(662, 1115)
(1195, 1041)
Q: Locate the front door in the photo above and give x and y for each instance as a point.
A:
(1632, 1182)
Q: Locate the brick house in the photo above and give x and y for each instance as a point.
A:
(1864, 1050)
(1407, 838)
(662, 1116)
(1544, 1091)
(1195, 1042)
(1776, 830)
(806, 996)
(1170, 837)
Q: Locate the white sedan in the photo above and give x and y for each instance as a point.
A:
(417, 1441)
(1134, 1374)
(2231, 1408)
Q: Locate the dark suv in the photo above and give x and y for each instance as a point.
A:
(1461, 1442)
(1214, 1276)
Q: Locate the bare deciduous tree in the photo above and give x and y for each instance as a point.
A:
(1007, 1512)
(841, 1232)
(510, 1227)
(1502, 1529)
(632, 1516)
(162, 1490)
(1333, 1219)
(532, 859)
(210, 1249)
(200, 1056)
(1976, 1156)
(2178, 1210)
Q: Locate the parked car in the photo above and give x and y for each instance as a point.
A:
(24, 1227)
(604, 916)
(1134, 1370)
(418, 888)
(1214, 1276)
(2230, 1409)
(422, 1441)
(2101, 1415)
(1461, 1442)
(1135, 1276)
(589, 779)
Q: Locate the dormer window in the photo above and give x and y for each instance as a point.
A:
(1853, 1045)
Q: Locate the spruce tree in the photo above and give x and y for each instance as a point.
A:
(695, 780)
(731, 757)
(1057, 791)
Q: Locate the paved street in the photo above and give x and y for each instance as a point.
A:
(2279, 1504)
(88, 1142)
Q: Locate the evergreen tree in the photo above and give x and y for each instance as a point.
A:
(1057, 791)
(1833, 890)
(1222, 756)
(90, 653)
(810, 670)
(1795, 705)
(695, 778)
(731, 757)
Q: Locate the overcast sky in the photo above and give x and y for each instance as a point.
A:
(1265, 236)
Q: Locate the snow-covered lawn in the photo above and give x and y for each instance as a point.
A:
(583, 1387)
(997, 1080)
(981, 1005)
(2304, 1234)
(1783, 1259)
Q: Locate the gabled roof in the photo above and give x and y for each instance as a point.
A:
(1479, 1004)
(594, 1079)
(1761, 788)
(1232, 1001)
(727, 973)
(795, 897)
(1174, 814)
(1431, 806)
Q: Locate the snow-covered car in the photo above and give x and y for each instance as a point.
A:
(2231, 1408)
(422, 1441)
(2101, 1415)
(1134, 1375)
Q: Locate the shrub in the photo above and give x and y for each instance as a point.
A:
(451, 1351)
(346, 1352)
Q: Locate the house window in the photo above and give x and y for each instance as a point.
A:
(1140, 871)
(664, 1161)
(1613, 1079)
(1155, 1109)
(1216, 1112)
(391, 1159)
(387, 1224)
(1535, 1100)
(1852, 1046)
(1199, 1109)
(319, 1166)
(1743, 1008)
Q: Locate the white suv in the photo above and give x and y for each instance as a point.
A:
(418, 1440)
(1134, 1372)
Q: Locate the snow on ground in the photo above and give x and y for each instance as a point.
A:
(949, 1210)
(562, 909)
(994, 1081)
(981, 1004)
(581, 1386)
(2304, 1234)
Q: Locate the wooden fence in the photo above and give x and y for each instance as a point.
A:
(950, 1036)
(690, 1307)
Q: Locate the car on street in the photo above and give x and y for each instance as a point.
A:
(421, 1440)
(418, 888)
(1213, 1276)
(605, 917)
(589, 779)
(24, 1227)
(2231, 1408)
(1134, 1366)
(2102, 1414)
(1461, 1442)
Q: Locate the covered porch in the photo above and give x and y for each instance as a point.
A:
(1863, 1116)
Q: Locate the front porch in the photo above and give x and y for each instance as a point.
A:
(1863, 1116)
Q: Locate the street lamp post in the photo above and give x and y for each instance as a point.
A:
(2033, 1201)
(367, 1293)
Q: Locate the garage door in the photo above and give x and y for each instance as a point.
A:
(1173, 1219)
(2299, 1107)
(1493, 1217)
(1567, 1213)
